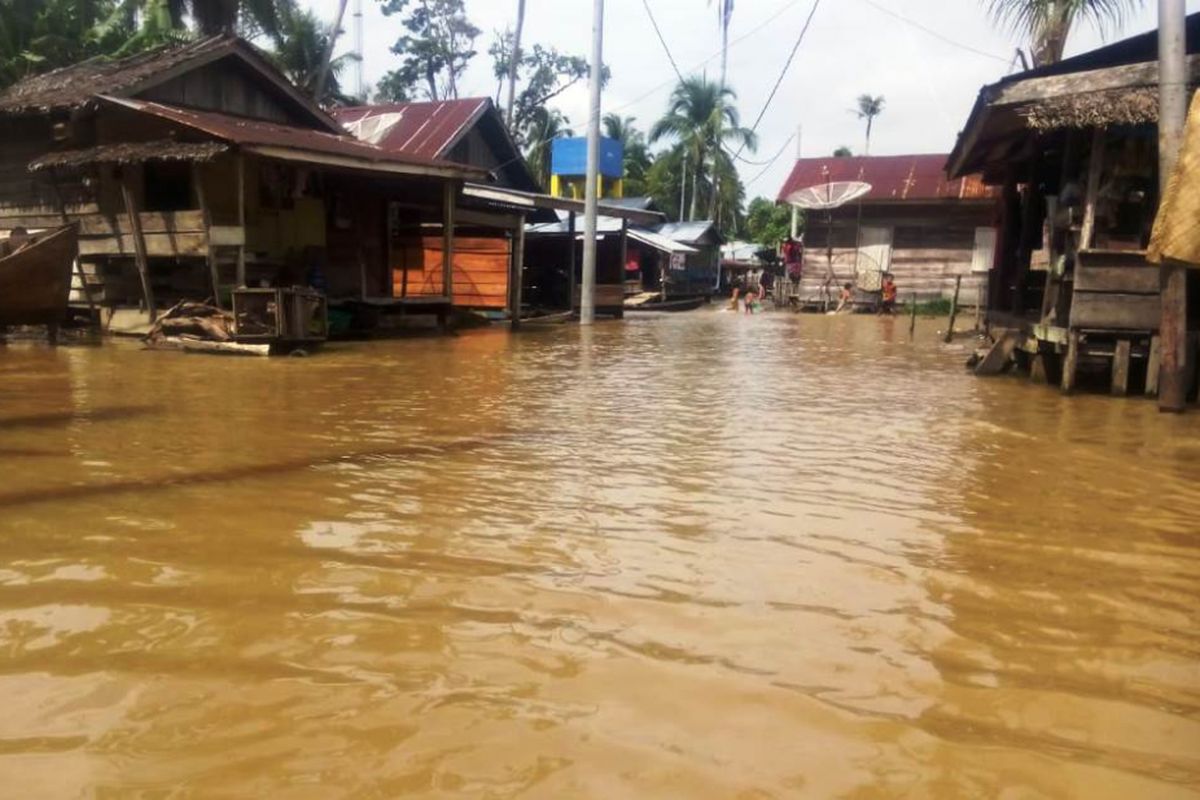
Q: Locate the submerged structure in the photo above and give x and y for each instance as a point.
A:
(193, 170)
(1072, 149)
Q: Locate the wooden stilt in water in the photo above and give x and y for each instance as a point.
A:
(1037, 369)
(1153, 367)
(518, 272)
(1120, 368)
(449, 192)
(912, 321)
(953, 309)
(998, 357)
(1173, 376)
(1070, 363)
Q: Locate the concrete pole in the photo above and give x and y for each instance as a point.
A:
(587, 300)
(1172, 118)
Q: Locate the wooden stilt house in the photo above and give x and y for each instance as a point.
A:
(194, 169)
(1073, 150)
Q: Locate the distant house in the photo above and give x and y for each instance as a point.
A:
(196, 168)
(922, 226)
(700, 271)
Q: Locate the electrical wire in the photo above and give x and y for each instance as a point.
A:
(661, 40)
(783, 73)
(771, 163)
(946, 39)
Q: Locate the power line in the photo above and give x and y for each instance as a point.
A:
(933, 33)
(661, 40)
(771, 163)
(783, 72)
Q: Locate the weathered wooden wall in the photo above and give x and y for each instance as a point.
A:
(223, 86)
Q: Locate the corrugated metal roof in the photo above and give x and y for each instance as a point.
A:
(250, 132)
(687, 232)
(892, 178)
(659, 242)
(427, 130)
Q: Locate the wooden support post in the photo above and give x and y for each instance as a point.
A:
(953, 309)
(1120, 368)
(1173, 377)
(1037, 369)
(1070, 363)
(1153, 367)
(241, 212)
(518, 272)
(139, 246)
(912, 322)
(78, 265)
(449, 193)
(1095, 166)
(571, 265)
(979, 307)
(214, 270)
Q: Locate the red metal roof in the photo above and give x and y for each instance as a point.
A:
(427, 130)
(892, 178)
(252, 132)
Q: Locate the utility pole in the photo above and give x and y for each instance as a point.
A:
(587, 299)
(1172, 117)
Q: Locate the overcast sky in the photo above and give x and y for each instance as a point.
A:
(929, 77)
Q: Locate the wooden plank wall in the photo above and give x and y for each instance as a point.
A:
(1116, 291)
(480, 269)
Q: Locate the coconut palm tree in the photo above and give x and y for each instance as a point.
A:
(300, 49)
(702, 117)
(724, 17)
(514, 61)
(637, 156)
(869, 108)
(1048, 23)
(545, 126)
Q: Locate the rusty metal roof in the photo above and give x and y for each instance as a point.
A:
(290, 142)
(76, 85)
(912, 178)
(428, 130)
(130, 153)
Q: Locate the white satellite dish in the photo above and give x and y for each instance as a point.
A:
(826, 196)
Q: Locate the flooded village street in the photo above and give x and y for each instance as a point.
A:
(693, 555)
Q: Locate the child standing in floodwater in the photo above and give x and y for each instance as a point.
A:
(888, 295)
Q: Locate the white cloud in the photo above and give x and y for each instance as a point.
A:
(852, 48)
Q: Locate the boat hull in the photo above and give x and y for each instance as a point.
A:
(689, 304)
(35, 282)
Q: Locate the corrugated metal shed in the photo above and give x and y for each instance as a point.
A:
(285, 139)
(426, 130)
(892, 178)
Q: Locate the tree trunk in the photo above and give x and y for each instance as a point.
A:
(867, 146)
(431, 80)
(695, 187)
(683, 186)
(323, 73)
(514, 59)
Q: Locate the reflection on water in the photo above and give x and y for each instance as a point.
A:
(701, 555)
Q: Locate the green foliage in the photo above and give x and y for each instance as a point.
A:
(843, 152)
(702, 118)
(40, 35)
(767, 224)
(300, 45)
(637, 155)
(1048, 23)
(438, 45)
(869, 108)
(546, 125)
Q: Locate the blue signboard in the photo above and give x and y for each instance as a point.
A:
(569, 157)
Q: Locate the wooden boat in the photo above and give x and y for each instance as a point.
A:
(684, 304)
(35, 281)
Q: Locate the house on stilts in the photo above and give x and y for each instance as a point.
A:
(199, 168)
(1072, 150)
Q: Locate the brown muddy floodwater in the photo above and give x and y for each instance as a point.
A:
(689, 556)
